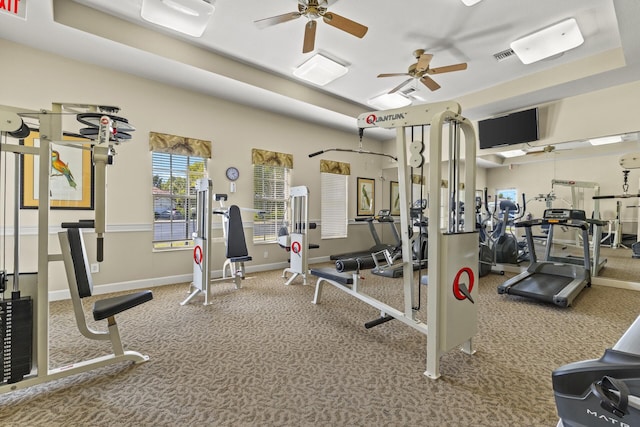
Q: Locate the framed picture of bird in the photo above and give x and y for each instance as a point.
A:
(394, 198)
(366, 196)
(71, 177)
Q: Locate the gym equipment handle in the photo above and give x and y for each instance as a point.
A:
(378, 321)
(317, 153)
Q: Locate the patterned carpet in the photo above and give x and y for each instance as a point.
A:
(266, 356)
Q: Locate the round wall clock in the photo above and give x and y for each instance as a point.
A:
(232, 173)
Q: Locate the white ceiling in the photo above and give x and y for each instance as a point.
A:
(236, 60)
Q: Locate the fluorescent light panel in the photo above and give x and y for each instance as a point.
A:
(185, 16)
(606, 140)
(513, 153)
(388, 101)
(320, 70)
(550, 41)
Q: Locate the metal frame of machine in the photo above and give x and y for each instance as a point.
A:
(453, 251)
(50, 126)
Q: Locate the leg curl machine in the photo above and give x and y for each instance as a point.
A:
(453, 251)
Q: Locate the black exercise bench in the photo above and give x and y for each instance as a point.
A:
(81, 286)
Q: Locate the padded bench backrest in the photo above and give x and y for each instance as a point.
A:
(80, 262)
(236, 244)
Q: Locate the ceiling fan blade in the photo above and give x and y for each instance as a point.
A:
(423, 62)
(430, 83)
(397, 88)
(309, 36)
(393, 74)
(345, 24)
(267, 22)
(448, 68)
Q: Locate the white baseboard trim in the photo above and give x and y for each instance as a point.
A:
(614, 283)
(158, 281)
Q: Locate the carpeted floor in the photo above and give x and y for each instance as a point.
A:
(266, 356)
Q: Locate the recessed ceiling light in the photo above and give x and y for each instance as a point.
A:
(320, 70)
(550, 41)
(388, 101)
(185, 16)
(513, 153)
(606, 140)
(470, 2)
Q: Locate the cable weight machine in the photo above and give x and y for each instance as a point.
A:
(233, 234)
(451, 319)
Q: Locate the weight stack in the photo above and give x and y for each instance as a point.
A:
(16, 339)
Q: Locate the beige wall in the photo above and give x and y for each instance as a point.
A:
(605, 112)
(34, 79)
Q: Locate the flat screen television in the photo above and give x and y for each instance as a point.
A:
(514, 128)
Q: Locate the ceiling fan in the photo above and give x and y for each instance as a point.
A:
(312, 10)
(421, 70)
(545, 149)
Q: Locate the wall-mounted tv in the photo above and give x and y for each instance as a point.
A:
(514, 128)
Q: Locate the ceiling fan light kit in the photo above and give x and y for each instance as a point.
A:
(550, 41)
(421, 70)
(320, 70)
(189, 17)
(312, 10)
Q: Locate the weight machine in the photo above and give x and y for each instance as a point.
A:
(296, 242)
(628, 161)
(27, 363)
(235, 243)
(453, 249)
(577, 195)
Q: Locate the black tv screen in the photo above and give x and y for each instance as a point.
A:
(514, 128)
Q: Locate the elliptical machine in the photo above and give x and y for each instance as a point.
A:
(498, 245)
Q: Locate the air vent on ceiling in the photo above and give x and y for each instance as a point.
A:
(501, 56)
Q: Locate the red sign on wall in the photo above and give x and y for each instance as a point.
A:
(14, 7)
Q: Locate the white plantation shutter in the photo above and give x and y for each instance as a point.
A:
(333, 206)
(271, 196)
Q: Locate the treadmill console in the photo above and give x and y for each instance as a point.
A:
(563, 215)
(384, 215)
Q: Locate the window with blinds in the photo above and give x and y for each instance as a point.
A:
(333, 207)
(174, 198)
(271, 196)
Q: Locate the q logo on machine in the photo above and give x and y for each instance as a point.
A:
(295, 248)
(371, 119)
(460, 290)
(197, 256)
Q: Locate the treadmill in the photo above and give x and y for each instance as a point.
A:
(383, 217)
(552, 281)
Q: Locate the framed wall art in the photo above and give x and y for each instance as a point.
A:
(366, 196)
(394, 198)
(71, 179)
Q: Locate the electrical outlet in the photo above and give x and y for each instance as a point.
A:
(266, 254)
(95, 268)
